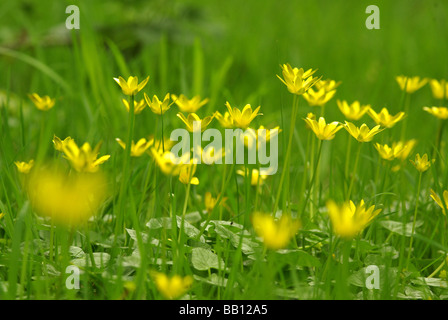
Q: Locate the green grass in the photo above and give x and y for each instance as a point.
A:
(225, 51)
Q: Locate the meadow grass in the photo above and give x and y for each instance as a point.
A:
(150, 223)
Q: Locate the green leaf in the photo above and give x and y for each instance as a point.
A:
(298, 258)
(100, 259)
(165, 222)
(133, 234)
(213, 280)
(397, 227)
(203, 259)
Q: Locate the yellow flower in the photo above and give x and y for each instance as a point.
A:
(390, 153)
(318, 98)
(439, 88)
(275, 234)
(192, 118)
(171, 287)
(256, 179)
(242, 119)
(44, 103)
(131, 87)
(83, 159)
(139, 148)
(24, 167)
(1, 215)
(323, 130)
(384, 118)
(225, 120)
(167, 161)
(157, 106)
(436, 198)
(186, 174)
(210, 202)
(255, 137)
(408, 147)
(410, 84)
(363, 133)
(209, 155)
(59, 144)
(422, 163)
(349, 220)
(352, 111)
(189, 105)
(158, 145)
(328, 84)
(69, 200)
(138, 106)
(297, 80)
(439, 112)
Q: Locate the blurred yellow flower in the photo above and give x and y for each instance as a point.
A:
(242, 119)
(384, 118)
(436, 198)
(255, 137)
(363, 133)
(352, 111)
(139, 148)
(24, 167)
(59, 144)
(210, 202)
(348, 220)
(83, 159)
(327, 84)
(323, 130)
(209, 155)
(188, 105)
(186, 174)
(192, 118)
(422, 163)
(439, 112)
(390, 153)
(1, 215)
(131, 87)
(276, 234)
(225, 120)
(139, 106)
(319, 97)
(411, 84)
(408, 147)
(68, 199)
(256, 178)
(44, 103)
(439, 88)
(171, 287)
(297, 80)
(157, 106)
(158, 145)
(167, 161)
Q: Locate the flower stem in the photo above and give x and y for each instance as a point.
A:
(355, 169)
(295, 106)
(313, 178)
(415, 218)
(125, 173)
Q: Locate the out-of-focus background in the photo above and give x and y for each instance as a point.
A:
(225, 50)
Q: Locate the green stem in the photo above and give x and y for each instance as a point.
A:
(288, 151)
(355, 169)
(415, 218)
(127, 159)
(347, 159)
(313, 178)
